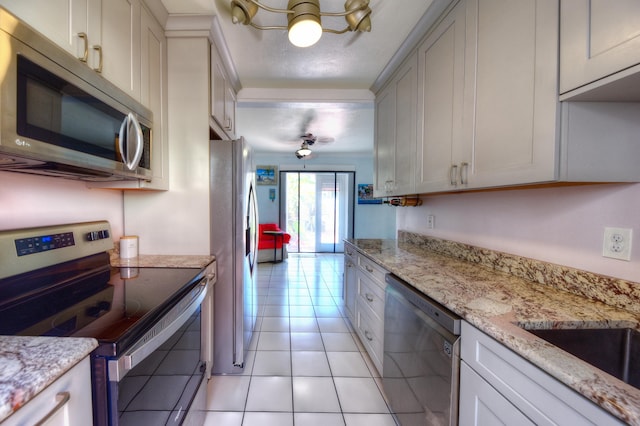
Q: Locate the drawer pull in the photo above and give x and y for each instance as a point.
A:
(63, 398)
(369, 297)
(85, 52)
(368, 335)
(368, 268)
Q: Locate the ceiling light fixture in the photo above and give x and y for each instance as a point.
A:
(304, 150)
(303, 17)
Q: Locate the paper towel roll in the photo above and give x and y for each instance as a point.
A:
(128, 246)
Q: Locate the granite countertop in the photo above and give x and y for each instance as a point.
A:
(500, 293)
(162, 261)
(30, 364)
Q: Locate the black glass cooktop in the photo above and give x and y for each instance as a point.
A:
(88, 298)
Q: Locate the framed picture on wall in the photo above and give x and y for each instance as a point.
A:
(266, 175)
(365, 194)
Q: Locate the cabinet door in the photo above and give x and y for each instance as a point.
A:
(514, 128)
(597, 38)
(441, 83)
(395, 138)
(482, 405)
(153, 94)
(350, 287)
(62, 21)
(230, 109)
(406, 86)
(385, 152)
(121, 45)
(218, 84)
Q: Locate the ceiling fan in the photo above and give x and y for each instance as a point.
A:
(308, 139)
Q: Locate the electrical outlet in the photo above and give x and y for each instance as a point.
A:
(431, 221)
(617, 243)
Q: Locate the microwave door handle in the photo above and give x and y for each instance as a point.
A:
(125, 136)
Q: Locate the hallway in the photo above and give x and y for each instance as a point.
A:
(306, 367)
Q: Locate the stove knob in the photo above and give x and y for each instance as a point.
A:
(92, 236)
(103, 234)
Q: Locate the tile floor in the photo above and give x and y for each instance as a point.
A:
(306, 366)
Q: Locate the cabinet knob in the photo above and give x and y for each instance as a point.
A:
(369, 297)
(368, 268)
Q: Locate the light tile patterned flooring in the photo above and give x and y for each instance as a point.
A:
(306, 366)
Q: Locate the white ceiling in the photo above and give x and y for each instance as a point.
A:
(331, 79)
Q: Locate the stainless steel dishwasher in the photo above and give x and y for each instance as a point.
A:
(421, 367)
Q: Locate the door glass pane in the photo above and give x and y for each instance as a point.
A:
(317, 210)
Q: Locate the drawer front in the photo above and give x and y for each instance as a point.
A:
(374, 271)
(538, 395)
(371, 295)
(369, 333)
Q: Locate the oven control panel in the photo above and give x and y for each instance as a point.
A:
(31, 245)
(28, 249)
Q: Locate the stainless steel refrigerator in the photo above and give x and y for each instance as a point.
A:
(234, 233)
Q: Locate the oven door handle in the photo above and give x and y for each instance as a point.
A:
(118, 368)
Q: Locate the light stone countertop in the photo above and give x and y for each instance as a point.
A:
(30, 364)
(498, 293)
(161, 261)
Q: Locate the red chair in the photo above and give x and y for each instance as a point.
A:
(269, 244)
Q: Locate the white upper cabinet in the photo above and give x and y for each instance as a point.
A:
(223, 96)
(395, 132)
(600, 47)
(513, 130)
(74, 25)
(443, 155)
(120, 48)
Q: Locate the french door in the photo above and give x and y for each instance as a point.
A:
(316, 208)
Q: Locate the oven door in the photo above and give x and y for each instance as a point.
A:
(156, 380)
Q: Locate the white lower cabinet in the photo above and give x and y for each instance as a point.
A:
(66, 402)
(350, 281)
(364, 299)
(497, 386)
(482, 405)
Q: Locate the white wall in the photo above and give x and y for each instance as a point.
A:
(27, 201)
(559, 225)
(371, 221)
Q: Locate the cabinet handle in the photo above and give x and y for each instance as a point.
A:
(228, 123)
(85, 52)
(464, 173)
(368, 268)
(99, 50)
(349, 265)
(368, 335)
(369, 297)
(63, 398)
(350, 253)
(453, 175)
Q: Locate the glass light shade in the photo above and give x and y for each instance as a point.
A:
(303, 152)
(305, 33)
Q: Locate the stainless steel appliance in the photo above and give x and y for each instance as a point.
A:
(421, 367)
(59, 117)
(153, 348)
(234, 234)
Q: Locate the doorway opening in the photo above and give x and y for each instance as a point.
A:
(317, 209)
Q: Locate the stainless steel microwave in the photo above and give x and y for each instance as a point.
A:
(60, 118)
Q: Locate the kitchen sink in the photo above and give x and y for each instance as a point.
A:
(613, 350)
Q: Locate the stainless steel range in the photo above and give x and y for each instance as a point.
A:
(151, 358)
